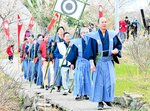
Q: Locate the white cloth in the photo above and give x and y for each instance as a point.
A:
(62, 50)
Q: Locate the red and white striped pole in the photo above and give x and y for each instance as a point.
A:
(53, 21)
(100, 11)
(19, 30)
(6, 29)
(31, 23)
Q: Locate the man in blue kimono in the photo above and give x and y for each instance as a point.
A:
(102, 50)
(23, 60)
(82, 83)
(59, 38)
(29, 50)
(60, 53)
(38, 62)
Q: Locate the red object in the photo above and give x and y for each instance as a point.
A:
(100, 11)
(43, 48)
(56, 16)
(9, 50)
(6, 29)
(122, 26)
(31, 23)
(19, 30)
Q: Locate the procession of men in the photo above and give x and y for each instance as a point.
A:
(80, 63)
(70, 48)
(83, 65)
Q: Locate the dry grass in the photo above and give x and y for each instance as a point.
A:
(8, 94)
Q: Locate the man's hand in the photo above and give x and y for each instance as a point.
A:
(43, 59)
(20, 61)
(72, 66)
(52, 60)
(35, 59)
(51, 55)
(53, 43)
(115, 51)
(64, 57)
(93, 68)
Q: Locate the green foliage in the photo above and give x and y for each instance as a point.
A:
(41, 12)
(73, 22)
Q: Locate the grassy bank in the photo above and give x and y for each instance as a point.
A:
(130, 79)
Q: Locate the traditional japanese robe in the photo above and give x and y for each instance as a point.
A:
(24, 60)
(99, 49)
(82, 84)
(59, 52)
(38, 65)
(56, 65)
(29, 49)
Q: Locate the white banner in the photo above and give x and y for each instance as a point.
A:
(62, 50)
(71, 8)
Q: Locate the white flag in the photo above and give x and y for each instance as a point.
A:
(71, 8)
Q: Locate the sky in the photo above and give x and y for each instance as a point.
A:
(132, 5)
(137, 4)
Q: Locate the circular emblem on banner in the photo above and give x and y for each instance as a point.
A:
(69, 7)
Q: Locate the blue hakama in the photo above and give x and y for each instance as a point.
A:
(99, 49)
